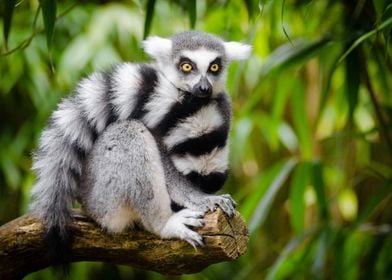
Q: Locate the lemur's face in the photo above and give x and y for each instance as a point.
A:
(195, 62)
(201, 72)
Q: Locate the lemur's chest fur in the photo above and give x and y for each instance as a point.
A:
(193, 130)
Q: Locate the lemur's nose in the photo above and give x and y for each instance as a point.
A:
(203, 88)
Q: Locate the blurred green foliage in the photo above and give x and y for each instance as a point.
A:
(311, 148)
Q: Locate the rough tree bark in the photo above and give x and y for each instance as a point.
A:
(22, 249)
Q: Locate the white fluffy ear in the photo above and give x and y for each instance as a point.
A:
(237, 51)
(157, 47)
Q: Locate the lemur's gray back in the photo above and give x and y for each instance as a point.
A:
(156, 95)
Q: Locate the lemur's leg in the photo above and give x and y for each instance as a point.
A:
(125, 182)
(185, 194)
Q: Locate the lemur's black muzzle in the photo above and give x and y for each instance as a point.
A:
(203, 88)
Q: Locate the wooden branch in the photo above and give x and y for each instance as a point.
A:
(22, 249)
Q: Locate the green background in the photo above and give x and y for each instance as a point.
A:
(311, 139)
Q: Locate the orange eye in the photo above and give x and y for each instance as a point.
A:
(186, 67)
(214, 67)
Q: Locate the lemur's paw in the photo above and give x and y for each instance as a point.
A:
(178, 227)
(225, 202)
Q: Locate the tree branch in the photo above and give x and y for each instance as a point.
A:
(22, 249)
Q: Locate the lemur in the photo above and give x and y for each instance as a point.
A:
(142, 143)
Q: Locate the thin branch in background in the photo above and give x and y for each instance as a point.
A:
(25, 43)
(282, 24)
(383, 124)
(34, 25)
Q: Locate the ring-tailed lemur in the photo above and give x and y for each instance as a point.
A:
(135, 141)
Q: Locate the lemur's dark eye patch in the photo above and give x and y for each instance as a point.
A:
(186, 65)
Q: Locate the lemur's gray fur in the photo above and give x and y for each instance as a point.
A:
(117, 198)
(143, 142)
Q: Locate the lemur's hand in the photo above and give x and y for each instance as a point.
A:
(211, 202)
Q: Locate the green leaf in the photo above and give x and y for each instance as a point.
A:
(386, 23)
(293, 54)
(262, 209)
(278, 106)
(249, 8)
(260, 185)
(383, 73)
(320, 256)
(192, 10)
(49, 9)
(319, 186)
(298, 185)
(379, 7)
(353, 79)
(254, 7)
(301, 123)
(384, 260)
(7, 18)
(149, 16)
(350, 254)
(329, 66)
(282, 22)
(288, 250)
(375, 202)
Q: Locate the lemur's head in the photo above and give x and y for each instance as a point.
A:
(195, 62)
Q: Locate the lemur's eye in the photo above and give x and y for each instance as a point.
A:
(214, 67)
(186, 67)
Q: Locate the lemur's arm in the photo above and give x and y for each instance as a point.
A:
(185, 194)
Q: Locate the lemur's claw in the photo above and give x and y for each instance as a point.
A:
(225, 202)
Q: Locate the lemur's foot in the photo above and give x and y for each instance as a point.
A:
(178, 227)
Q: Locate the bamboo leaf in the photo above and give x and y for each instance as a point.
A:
(330, 70)
(375, 202)
(293, 54)
(301, 122)
(7, 19)
(262, 182)
(278, 106)
(320, 254)
(192, 10)
(249, 7)
(319, 186)
(297, 190)
(49, 9)
(366, 36)
(149, 16)
(353, 79)
(385, 259)
(282, 24)
(262, 209)
(288, 250)
(252, 7)
(383, 74)
(350, 254)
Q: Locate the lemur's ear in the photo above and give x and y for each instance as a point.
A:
(237, 51)
(157, 47)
